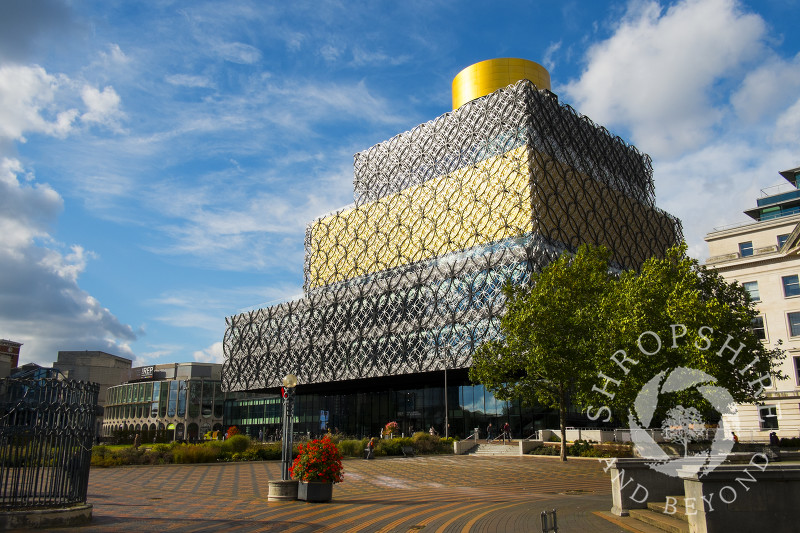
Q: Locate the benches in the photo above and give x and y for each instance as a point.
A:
(408, 451)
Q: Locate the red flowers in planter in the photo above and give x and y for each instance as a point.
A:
(318, 460)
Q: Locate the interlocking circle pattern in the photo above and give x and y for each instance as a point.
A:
(408, 278)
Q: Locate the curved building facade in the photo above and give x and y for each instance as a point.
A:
(405, 284)
(181, 401)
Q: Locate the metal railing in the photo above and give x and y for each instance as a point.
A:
(46, 434)
(549, 521)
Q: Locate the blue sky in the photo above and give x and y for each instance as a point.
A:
(159, 161)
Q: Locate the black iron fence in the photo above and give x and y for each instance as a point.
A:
(46, 434)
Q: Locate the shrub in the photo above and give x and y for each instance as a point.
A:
(268, 452)
(425, 442)
(392, 446)
(554, 438)
(353, 448)
(190, 453)
(236, 444)
(793, 442)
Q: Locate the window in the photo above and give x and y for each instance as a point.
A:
(782, 239)
(758, 328)
(791, 286)
(794, 324)
(797, 370)
(746, 248)
(768, 417)
(752, 288)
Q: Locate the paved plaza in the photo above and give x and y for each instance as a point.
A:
(422, 494)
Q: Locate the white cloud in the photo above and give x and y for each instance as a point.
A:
(768, 89)
(699, 88)
(787, 128)
(102, 107)
(212, 354)
(658, 75)
(330, 52)
(27, 103)
(41, 304)
(188, 80)
(115, 55)
(547, 58)
(241, 53)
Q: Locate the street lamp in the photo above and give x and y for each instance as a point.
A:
(289, 383)
(446, 409)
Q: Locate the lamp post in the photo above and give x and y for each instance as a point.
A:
(446, 409)
(289, 383)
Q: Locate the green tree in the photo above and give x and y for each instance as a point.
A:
(674, 313)
(551, 335)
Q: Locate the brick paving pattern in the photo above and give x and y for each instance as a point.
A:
(422, 494)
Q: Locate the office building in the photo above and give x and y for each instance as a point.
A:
(762, 255)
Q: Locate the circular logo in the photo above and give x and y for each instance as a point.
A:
(682, 424)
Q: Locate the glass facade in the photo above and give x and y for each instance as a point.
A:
(191, 407)
(362, 409)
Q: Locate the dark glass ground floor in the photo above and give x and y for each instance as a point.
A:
(360, 408)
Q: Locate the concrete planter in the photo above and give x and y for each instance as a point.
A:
(282, 490)
(315, 491)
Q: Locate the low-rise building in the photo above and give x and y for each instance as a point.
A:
(102, 368)
(177, 401)
(9, 356)
(764, 256)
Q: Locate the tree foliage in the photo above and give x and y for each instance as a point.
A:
(580, 333)
(673, 313)
(550, 335)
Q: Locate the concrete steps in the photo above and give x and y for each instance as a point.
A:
(653, 519)
(660, 521)
(495, 449)
(655, 516)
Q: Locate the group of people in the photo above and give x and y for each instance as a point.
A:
(505, 432)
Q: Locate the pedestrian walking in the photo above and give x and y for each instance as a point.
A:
(489, 432)
(370, 449)
(506, 432)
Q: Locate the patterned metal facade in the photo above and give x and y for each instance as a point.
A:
(408, 278)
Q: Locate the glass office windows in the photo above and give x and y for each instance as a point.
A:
(782, 240)
(746, 248)
(219, 400)
(758, 328)
(768, 417)
(208, 399)
(791, 285)
(162, 401)
(172, 403)
(752, 289)
(182, 398)
(195, 388)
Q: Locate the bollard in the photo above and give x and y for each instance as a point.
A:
(549, 522)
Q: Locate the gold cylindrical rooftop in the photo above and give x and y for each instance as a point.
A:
(487, 76)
